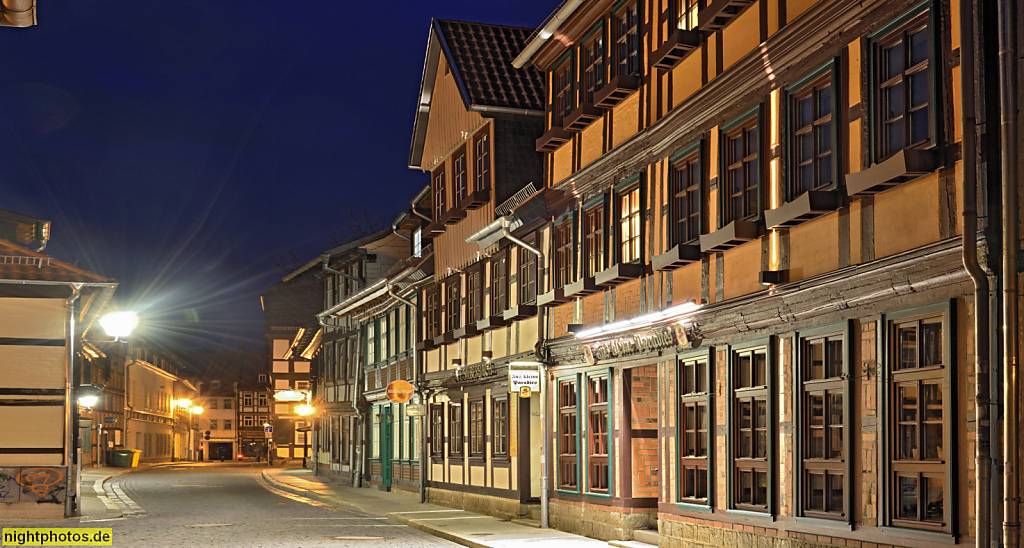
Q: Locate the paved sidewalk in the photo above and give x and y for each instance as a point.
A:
(466, 528)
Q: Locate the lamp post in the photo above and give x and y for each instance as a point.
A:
(305, 410)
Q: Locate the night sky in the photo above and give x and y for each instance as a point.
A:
(179, 146)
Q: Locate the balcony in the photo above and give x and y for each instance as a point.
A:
(729, 236)
(677, 46)
(580, 118)
(720, 13)
(807, 206)
(680, 255)
(905, 165)
(618, 273)
(552, 139)
(616, 90)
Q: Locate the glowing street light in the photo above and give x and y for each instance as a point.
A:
(119, 324)
(88, 395)
(305, 410)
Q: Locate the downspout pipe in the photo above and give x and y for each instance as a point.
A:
(327, 268)
(969, 231)
(71, 411)
(1010, 236)
(544, 396)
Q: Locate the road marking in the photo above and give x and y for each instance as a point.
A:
(210, 525)
(366, 518)
(281, 492)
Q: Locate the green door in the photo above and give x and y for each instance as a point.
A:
(385, 446)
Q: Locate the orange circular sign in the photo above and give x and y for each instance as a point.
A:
(400, 391)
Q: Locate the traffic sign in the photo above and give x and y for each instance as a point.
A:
(268, 428)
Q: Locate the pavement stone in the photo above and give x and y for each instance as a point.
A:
(465, 528)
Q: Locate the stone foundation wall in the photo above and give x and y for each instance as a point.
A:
(600, 522)
(498, 507)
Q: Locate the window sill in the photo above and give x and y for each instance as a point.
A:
(427, 344)
(582, 117)
(452, 216)
(729, 236)
(491, 322)
(803, 208)
(455, 459)
(433, 230)
(720, 13)
(444, 338)
(468, 330)
(618, 273)
(824, 523)
(616, 90)
(930, 536)
(477, 199)
(477, 460)
(554, 297)
(693, 507)
(680, 255)
(501, 460)
(752, 514)
(677, 46)
(905, 165)
(552, 139)
(520, 312)
(582, 287)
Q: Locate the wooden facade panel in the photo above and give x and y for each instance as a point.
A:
(33, 366)
(33, 318)
(814, 247)
(742, 36)
(895, 229)
(592, 142)
(627, 300)
(449, 122)
(686, 283)
(32, 427)
(432, 360)
(742, 264)
(499, 342)
(853, 93)
(855, 147)
(451, 249)
(958, 131)
(686, 77)
(796, 7)
(626, 118)
(474, 349)
(593, 309)
(562, 316)
(527, 334)
(562, 162)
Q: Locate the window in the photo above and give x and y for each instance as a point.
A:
(592, 53)
(433, 313)
(247, 421)
(694, 440)
(811, 136)
(451, 317)
(439, 194)
(455, 432)
(247, 399)
(750, 428)
(686, 13)
(742, 172)
(213, 424)
(482, 147)
(567, 427)
(261, 400)
(627, 41)
(527, 276)
(460, 180)
(476, 428)
(227, 424)
(565, 250)
(562, 104)
(920, 419)
(212, 403)
(437, 430)
(822, 400)
(371, 341)
(228, 404)
(499, 283)
(629, 225)
(593, 244)
(475, 295)
(903, 84)
(499, 427)
(686, 198)
(262, 377)
(299, 385)
(597, 434)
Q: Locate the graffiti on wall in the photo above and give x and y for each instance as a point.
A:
(42, 484)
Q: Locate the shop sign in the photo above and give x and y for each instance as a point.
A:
(400, 391)
(473, 372)
(415, 410)
(636, 343)
(520, 376)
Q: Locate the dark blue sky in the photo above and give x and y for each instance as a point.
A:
(176, 146)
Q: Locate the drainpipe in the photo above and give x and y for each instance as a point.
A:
(983, 451)
(1008, 159)
(71, 412)
(327, 259)
(543, 380)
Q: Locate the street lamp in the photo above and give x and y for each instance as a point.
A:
(119, 324)
(88, 395)
(305, 410)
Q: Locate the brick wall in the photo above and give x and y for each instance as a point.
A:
(643, 383)
(627, 300)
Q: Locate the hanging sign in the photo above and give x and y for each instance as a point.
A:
(524, 391)
(520, 376)
(415, 410)
(400, 391)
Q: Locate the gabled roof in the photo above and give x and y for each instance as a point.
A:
(480, 56)
(18, 263)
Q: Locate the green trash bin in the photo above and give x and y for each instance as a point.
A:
(126, 458)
